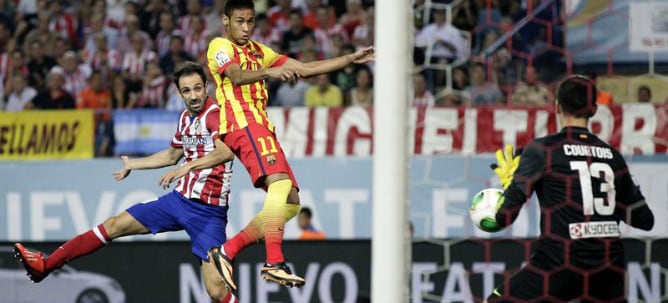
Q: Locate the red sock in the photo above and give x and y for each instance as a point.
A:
(78, 246)
(251, 234)
(230, 298)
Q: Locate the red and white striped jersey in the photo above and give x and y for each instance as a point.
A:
(154, 93)
(136, 64)
(196, 44)
(77, 80)
(196, 135)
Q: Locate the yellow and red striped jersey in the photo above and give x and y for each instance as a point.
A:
(244, 104)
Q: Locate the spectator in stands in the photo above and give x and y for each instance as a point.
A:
(194, 8)
(15, 63)
(121, 96)
(311, 14)
(326, 30)
(460, 78)
(97, 26)
(531, 91)
(18, 94)
(447, 45)
(293, 39)
(353, 16)
(481, 91)
(345, 78)
(465, 15)
(128, 34)
(135, 61)
(76, 74)
(363, 33)
(263, 32)
(603, 97)
(54, 96)
(213, 20)
(175, 55)
(291, 94)
(306, 226)
(59, 47)
(167, 30)
(98, 98)
(63, 23)
(106, 60)
(279, 15)
(421, 95)
(362, 93)
(644, 94)
(154, 89)
(196, 42)
(41, 33)
(323, 93)
(39, 64)
(7, 10)
(150, 15)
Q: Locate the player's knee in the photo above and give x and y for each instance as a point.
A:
(113, 226)
(293, 196)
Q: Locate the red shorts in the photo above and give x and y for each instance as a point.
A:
(259, 151)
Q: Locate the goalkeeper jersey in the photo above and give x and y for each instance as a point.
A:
(584, 189)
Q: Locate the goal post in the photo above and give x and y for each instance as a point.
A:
(390, 243)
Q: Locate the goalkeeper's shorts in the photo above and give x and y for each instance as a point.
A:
(544, 281)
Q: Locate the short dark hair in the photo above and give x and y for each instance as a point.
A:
(188, 68)
(232, 5)
(306, 211)
(577, 96)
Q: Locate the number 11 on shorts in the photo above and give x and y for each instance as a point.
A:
(263, 144)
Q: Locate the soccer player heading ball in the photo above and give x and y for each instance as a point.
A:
(239, 67)
(584, 189)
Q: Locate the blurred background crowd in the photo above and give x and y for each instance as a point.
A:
(119, 54)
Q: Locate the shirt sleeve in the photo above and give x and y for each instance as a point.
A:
(631, 206)
(220, 55)
(213, 123)
(529, 171)
(176, 140)
(271, 58)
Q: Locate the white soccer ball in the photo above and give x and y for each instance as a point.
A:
(483, 209)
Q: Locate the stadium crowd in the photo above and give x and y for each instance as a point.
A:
(119, 54)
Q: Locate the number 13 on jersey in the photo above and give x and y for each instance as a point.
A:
(596, 205)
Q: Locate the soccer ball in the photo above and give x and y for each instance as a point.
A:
(483, 209)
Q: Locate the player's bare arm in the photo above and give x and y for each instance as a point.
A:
(160, 159)
(240, 76)
(221, 154)
(325, 66)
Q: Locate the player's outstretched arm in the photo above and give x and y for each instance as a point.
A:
(325, 66)
(220, 154)
(160, 159)
(240, 76)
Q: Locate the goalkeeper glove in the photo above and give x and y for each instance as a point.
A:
(507, 163)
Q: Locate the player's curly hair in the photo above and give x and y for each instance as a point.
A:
(188, 68)
(232, 5)
(577, 96)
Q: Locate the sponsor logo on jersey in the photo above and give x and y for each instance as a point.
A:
(222, 57)
(601, 229)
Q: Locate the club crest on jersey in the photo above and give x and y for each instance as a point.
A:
(198, 127)
(271, 159)
(256, 54)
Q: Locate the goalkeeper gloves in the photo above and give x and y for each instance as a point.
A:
(507, 162)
